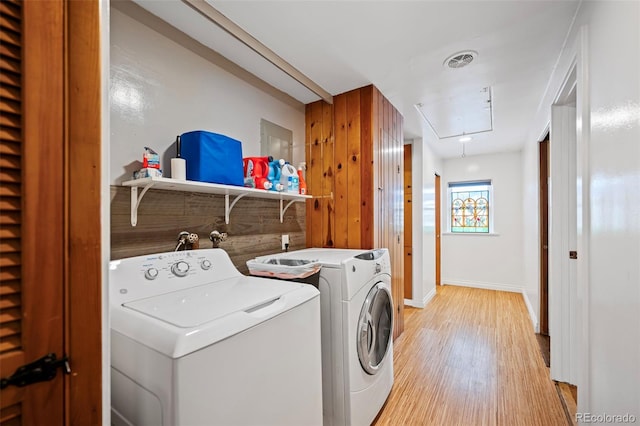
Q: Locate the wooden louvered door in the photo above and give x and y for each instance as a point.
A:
(31, 204)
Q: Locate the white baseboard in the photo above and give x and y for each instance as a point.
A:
(413, 303)
(501, 287)
(486, 286)
(421, 303)
(532, 314)
(429, 296)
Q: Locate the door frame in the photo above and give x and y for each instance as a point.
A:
(583, 194)
(85, 219)
(438, 208)
(424, 167)
(578, 77)
(543, 195)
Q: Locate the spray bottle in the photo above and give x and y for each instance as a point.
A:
(302, 183)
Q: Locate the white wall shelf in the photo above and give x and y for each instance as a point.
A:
(228, 191)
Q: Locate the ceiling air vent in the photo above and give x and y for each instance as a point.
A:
(460, 59)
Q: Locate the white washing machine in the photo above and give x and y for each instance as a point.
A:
(194, 342)
(357, 328)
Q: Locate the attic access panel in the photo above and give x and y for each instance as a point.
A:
(463, 114)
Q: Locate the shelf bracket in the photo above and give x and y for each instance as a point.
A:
(228, 207)
(135, 201)
(282, 211)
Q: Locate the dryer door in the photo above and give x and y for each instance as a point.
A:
(374, 328)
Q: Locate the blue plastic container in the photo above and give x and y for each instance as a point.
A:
(212, 158)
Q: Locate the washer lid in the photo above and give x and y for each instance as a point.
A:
(332, 258)
(195, 306)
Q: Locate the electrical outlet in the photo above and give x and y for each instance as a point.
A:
(285, 241)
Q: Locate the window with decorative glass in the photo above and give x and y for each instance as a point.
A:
(470, 206)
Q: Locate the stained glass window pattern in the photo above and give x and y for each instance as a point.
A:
(470, 207)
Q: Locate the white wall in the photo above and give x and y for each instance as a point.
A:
(614, 180)
(531, 233)
(159, 90)
(610, 359)
(424, 166)
(486, 261)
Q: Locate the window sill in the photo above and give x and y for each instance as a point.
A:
(475, 234)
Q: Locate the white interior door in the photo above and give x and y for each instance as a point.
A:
(563, 245)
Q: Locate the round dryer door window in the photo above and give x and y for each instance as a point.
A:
(374, 328)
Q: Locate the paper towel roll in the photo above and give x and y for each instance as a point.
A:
(178, 168)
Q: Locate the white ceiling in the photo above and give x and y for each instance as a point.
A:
(400, 46)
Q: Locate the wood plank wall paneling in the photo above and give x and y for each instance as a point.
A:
(392, 205)
(380, 226)
(367, 165)
(367, 212)
(313, 145)
(399, 219)
(254, 228)
(354, 169)
(328, 218)
(341, 162)
(321, 170)
(384, 185)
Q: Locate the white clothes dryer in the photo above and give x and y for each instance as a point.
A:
(357, 327)
(194, 342)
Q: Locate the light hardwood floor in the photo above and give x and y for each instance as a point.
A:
(470, 358)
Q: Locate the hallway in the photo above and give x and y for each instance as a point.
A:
(470, 358)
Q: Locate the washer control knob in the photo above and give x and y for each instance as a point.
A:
(151, 274)
(206, 265)
(180, 269)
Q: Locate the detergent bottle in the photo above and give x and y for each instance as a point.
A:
(274, 176)
(256, 170)
(289, 177)
(249, 180)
